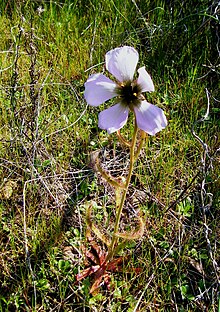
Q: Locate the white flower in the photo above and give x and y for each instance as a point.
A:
(121, 63)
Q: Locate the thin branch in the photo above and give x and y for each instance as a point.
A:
(204, 195)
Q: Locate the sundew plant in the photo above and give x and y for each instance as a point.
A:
(109, 155)
(122, 62)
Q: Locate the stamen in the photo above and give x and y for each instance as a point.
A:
(129, 93)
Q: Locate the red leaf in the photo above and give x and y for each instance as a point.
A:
(99, 274)
(107, 280)
(87, 272)
(114, 265)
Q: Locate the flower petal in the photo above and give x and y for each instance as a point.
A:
(145, 80)
(98, 89)
(113, 118)
(122, 62)
(150, 118)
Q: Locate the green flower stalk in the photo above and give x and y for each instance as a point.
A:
(148, 119)
(123, 197)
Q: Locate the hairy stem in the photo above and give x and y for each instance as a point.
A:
(123, 196)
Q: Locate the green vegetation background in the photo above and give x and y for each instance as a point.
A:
(47, 132)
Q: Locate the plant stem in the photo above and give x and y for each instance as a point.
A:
(140, 145)
(123, 196)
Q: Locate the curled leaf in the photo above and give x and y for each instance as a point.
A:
(134, 234)
(95, 164)
(92, 226)
(123, 140)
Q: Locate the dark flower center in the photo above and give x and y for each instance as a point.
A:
(130, 94)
